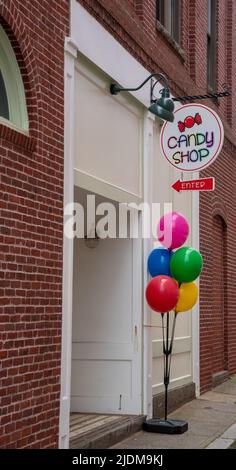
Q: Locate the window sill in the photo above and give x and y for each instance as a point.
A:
(17, 137)
(170, 40)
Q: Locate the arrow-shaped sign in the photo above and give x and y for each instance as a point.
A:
(204, 184)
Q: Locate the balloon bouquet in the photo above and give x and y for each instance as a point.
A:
(171, 288)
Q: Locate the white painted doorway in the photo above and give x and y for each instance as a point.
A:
(106, 372)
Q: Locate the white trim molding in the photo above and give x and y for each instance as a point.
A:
(149, 120)
(195, 310)
(70, 56)
(96, 185)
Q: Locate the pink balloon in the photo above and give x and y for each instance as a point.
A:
(172, 230)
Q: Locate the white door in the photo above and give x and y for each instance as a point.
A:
(106, 349)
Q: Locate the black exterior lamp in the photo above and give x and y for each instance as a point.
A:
(162, 107)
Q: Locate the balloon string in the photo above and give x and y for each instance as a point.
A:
(167, 354)
(166, 363)
(158, 326)
(172, 340)
(163, 327)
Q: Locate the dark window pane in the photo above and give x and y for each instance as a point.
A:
(168, 13)
(175, 20)
(4, 109)
(160, 11)
(209, 16)
(211, 45)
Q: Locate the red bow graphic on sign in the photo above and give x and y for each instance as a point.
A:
(189, 122)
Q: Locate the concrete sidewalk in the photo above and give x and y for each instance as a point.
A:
(208, 418)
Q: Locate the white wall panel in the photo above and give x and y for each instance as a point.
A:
(108, 136)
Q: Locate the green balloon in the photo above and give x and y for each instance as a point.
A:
(186, 264)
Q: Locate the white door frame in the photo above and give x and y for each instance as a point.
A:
(148, 156)
(68, 250)
(195, 310)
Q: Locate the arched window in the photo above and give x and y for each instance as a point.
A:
(13, 110)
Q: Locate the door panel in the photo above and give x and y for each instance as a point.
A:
(106, 348)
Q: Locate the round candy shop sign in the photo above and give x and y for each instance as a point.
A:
(195, 138)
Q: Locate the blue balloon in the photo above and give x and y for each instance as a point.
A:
(159, 262)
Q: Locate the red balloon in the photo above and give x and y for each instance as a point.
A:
(162, 293)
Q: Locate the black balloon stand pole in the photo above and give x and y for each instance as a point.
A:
(166, 358)
(167, 354)
(166, 426)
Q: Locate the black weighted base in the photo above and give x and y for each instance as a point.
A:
(169, 426)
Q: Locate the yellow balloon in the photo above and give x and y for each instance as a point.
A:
(188, 294)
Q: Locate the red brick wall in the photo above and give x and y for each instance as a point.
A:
(218, 294)
(133, 25)
(31, 230)
(220, 203)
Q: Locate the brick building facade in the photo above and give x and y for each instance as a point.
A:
(32, 196)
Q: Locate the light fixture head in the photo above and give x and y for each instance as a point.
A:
(92, 240)
(164, 106)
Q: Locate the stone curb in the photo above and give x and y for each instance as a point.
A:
(225, 440)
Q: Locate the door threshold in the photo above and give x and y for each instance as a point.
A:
(101, 431)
